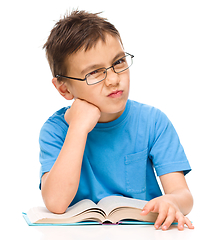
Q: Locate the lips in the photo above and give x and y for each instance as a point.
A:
(115, 94)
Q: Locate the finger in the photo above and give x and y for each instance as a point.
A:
(181, 221)
(148, 207)
(170, 219)
(161, 217)
(189, 223)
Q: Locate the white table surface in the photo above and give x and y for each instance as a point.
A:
(20, 230)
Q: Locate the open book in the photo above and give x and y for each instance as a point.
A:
(112, 209)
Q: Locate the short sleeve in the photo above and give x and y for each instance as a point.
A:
(166, 151)
(51, 139)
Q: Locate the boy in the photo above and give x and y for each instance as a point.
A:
(105, 144)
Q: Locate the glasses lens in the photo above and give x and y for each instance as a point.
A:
(122, 64)
(96, 76)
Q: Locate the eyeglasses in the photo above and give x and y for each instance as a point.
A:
(100, 74)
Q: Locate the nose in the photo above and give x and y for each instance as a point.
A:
(112, 78)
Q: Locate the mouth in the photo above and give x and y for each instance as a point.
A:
(115, 94)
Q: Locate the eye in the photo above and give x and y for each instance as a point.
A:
(94, 72)
(120, 61)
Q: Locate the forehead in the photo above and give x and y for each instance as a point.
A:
(100, 55)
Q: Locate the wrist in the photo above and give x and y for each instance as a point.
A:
(77, 130)
(182, 200)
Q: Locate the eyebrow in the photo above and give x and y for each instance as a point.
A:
(96, 66)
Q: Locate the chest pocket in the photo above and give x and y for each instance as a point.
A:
(135, 172)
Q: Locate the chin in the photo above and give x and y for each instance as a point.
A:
(113, 108)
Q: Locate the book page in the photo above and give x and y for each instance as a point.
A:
(110, 203)
(38, 213)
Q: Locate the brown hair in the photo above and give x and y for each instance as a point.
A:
(70, 34)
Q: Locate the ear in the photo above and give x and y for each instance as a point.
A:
(62, 89)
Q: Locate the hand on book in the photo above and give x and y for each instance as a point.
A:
(168, 213)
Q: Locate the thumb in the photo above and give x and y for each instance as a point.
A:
(148, 208)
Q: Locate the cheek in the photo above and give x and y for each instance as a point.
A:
(88, 93)
(127, 77)
(79, 89)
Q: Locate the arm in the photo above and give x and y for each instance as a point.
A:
(174, 205)
(59, 186)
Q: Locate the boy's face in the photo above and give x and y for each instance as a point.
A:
(102, 55)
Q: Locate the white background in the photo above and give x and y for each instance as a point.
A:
(172, 44)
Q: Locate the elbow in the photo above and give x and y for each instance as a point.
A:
(54, 204)
(57, 210)
(55, 207)
(55, 201)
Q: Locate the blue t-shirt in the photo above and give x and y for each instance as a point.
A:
(120, 156)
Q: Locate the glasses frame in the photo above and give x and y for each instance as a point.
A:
(85, 79)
